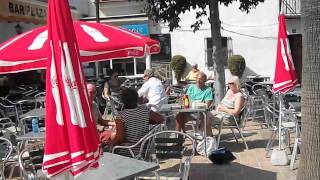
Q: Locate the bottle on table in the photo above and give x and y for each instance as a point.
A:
(35, 125)
(186, 102)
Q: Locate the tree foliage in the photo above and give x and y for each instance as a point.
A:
(236, 65)
(178, 63)
(168, 11)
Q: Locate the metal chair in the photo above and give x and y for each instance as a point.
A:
(26, 105)
(236, 123)
(167, 145)
(30, 161)
(132, 150)
(297, 144)
(6, 149)
(8, 109)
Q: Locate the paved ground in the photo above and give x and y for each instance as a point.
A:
(250, 164)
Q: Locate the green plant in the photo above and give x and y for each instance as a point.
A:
(236, 65)
(178, 63)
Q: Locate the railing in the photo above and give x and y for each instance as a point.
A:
(291, 7)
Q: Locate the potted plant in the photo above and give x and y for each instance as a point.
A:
(236, 65)
(178, 63)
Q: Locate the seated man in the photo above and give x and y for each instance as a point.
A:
(91, 88)
(197, 92)
(153, 90)
(231, 104)
(193, 74)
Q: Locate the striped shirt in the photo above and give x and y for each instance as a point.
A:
(136, 125)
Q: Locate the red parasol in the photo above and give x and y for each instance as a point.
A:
(285, 77)
(71, 137)
(96, 42)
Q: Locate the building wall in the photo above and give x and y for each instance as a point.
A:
(294, 26)
(116, 8)
(253, 36)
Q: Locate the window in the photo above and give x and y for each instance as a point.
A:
(226, 47)
(165, 54)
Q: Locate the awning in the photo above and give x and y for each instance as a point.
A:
(27, 11)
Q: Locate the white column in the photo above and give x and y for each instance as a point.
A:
(111, 66)
(135, 66)
(148, 61)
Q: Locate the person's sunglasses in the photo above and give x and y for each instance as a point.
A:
(230, 83)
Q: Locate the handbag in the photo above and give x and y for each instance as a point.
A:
(211, 145)
(221, 156)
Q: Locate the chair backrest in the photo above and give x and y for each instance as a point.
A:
(8, 109)
(30, 165)
(26, 105)
(6, 122)
(133, 149)
(170, 145)
(6, 148)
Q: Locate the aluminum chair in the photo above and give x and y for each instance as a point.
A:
(237, 123)
(132, 150)
(167, 145)
(6, 149)
(30, 161)
(170, 146)
(26, 105)
(8, 109)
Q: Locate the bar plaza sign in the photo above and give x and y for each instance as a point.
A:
(28, 11)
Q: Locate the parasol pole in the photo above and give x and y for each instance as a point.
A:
(135, 66)
(148, 61)
(280, 117)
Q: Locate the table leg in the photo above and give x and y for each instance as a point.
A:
(205, 132)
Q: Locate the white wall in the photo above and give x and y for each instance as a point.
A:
(116, 8)
(259, 52)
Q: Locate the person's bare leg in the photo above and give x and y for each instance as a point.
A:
(180, 122)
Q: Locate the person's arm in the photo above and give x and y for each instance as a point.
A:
(209, 102)
(144, 89)
(155, 118)
(209, 97)
(118, 137)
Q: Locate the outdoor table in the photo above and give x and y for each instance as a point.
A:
(177, 108)
(31, 136)
(40, 112)
(113, 166)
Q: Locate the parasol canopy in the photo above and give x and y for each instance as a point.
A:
(97, 42)
(72, 142)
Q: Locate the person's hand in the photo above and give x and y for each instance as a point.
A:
(105, 136)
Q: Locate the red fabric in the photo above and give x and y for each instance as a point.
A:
(107, 42)
(285, 77)
(71, 137)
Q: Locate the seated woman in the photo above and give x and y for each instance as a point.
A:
(231, 104)
(110, 110)
(133, 122)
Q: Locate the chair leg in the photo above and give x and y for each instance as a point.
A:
(243, 140)
(271, 141)
(219, 134)
(235, 136)
(294, 152)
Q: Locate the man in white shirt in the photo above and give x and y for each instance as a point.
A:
(153, 90)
